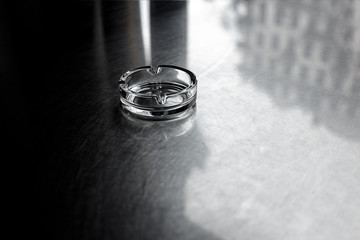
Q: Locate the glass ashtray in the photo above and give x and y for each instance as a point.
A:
(166, 92)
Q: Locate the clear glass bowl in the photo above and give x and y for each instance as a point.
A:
(167, 92)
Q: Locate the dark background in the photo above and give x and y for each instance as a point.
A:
(79, 170)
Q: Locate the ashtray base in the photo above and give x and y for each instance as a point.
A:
(166, 114)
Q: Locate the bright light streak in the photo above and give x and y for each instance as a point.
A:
(145, 29)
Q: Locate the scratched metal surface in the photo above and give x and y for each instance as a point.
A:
(272, 151)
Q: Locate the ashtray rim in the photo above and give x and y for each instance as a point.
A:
(150, 69)
(176, 110)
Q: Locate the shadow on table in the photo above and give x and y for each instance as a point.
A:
(132, 177)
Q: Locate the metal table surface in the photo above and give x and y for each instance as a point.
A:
(272, 151)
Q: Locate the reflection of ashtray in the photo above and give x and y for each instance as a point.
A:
(158, 130)
(167, 92)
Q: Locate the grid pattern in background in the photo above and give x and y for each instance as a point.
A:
(308, 50)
